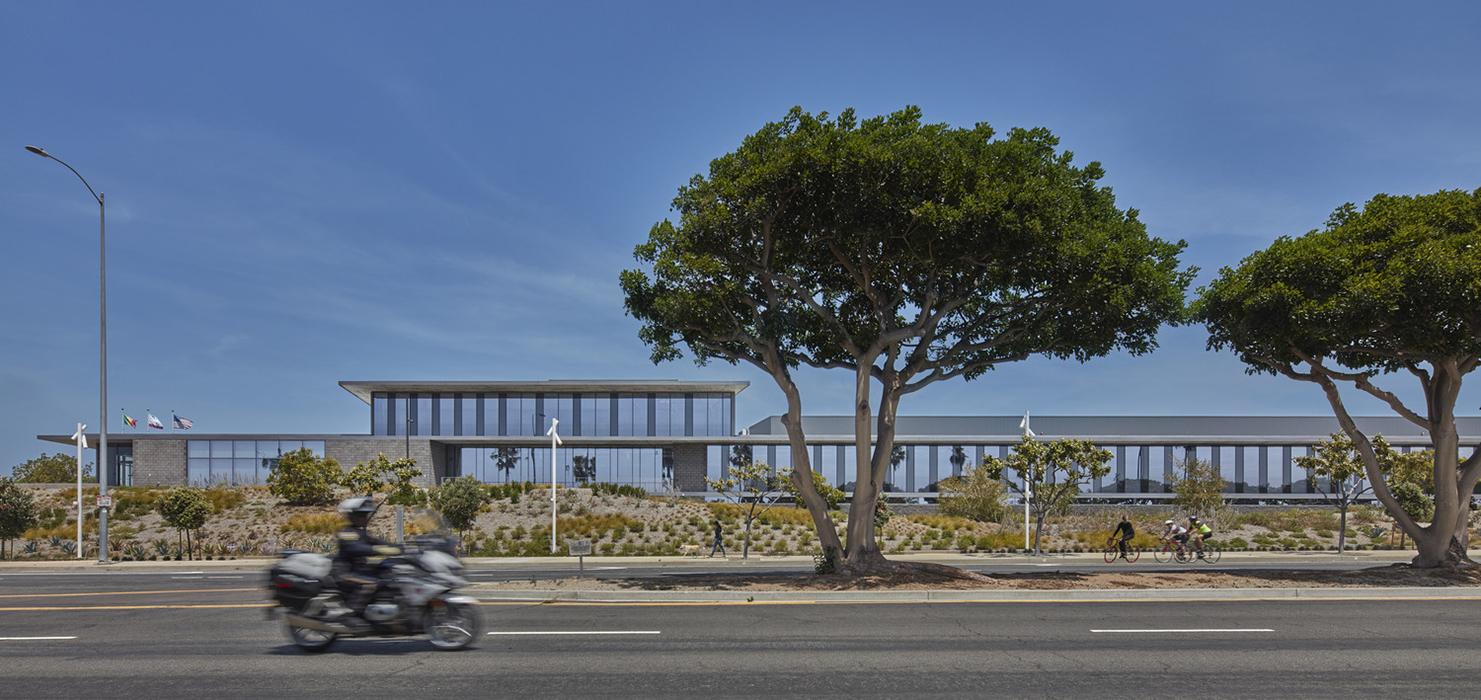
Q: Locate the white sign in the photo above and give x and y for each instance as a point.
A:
(579, 548)
(105, 501)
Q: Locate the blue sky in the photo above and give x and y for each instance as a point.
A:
(306, 192)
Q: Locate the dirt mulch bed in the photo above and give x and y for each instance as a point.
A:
(1397, 575)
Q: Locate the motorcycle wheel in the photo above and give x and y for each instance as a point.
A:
(312, 641)
(452, 626)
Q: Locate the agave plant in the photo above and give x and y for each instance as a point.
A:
(55, 541)
(161, 548)
(69, 547)
(136, 551)
(31, 547)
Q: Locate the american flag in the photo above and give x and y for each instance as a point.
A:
(181, 422)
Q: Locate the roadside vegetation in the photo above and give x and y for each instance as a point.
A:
(513, 520)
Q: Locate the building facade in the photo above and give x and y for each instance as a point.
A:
(668, 436)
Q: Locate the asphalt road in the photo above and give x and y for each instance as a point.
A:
(218, 645)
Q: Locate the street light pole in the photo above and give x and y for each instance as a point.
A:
(102, 356)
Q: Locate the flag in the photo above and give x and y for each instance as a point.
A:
(1023, 425)
(153, 421)
(181, 422)
(128, 421)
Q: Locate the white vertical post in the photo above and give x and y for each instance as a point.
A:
(1028, 489)
(555, 441)
(81, 439)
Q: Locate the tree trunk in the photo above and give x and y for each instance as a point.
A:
(802, 473)
(1038, 531)
(746, 541)
(861, 553)
(1342, 528)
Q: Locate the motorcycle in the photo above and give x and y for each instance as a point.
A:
(416, 596)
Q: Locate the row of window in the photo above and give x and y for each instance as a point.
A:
(1134, 469)
(212, 462)
(650, 468)
(602, 415)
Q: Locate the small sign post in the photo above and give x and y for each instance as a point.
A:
(105, 500)
(580, 549)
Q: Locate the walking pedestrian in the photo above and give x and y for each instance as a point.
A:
(719, 545)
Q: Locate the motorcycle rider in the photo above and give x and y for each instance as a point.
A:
(357, 563)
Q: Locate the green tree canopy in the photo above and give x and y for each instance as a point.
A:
(52, 469)
(902, 251)
(1393, 288)
(459, 501)
(17, 511)
(1198, 488)
(186, 510)
(395, 479)
(303, 478)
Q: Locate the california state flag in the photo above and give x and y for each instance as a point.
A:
(154, 422)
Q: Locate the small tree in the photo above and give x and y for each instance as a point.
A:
(1198, 488)
(305, 479)
(976, 495)
(832, 495)
(755, 488)
(1053, 470)
(1337, 461)
(186, 510)
(17, 513)
(51, 469)
(396, 480)
(459, 500)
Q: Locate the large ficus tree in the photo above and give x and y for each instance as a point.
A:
(1393, 289)
(905, 253)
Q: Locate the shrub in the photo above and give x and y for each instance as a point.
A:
(619, 490)
(17, 511)
(1237, 543)
(314, 523)
(965, 542)
(223, 499)
(51, 469)
(975, 495)
(304, 479)
(459, 500)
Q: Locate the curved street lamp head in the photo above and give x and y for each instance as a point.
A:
(38, 151)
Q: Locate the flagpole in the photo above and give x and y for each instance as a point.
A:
(1028, 489)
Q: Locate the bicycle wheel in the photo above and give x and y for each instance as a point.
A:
(1211, 552)
(1183, 556)
(1109, 554)
(1133, 554)
(1165, 554)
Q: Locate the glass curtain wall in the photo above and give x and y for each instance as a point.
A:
(237, 462)
(635, 466)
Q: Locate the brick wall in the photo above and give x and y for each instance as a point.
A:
(352, 451)
(159, 462)
(689, 467)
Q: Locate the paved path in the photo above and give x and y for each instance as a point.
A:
(1393, 649)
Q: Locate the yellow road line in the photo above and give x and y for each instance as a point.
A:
(165, 606)
(154, 592)
(719, 603)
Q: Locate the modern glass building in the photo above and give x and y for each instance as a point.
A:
(668, 436)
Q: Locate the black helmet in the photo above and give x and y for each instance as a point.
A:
(358, 509)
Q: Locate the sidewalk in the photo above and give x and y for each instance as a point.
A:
(1081, 595)
(1295, 559)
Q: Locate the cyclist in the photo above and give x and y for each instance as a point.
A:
(1200, 530)
(1174, 532)
(1122, 536)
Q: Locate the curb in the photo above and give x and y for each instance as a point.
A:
(988, 595)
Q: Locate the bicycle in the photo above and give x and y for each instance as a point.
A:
(1173, 550)
(1111, 553)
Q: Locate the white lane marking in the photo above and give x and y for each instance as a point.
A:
(31, 639)
(190, 578)
(609, 568)
(572, 632)
(225, 577)
(1211, 629)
